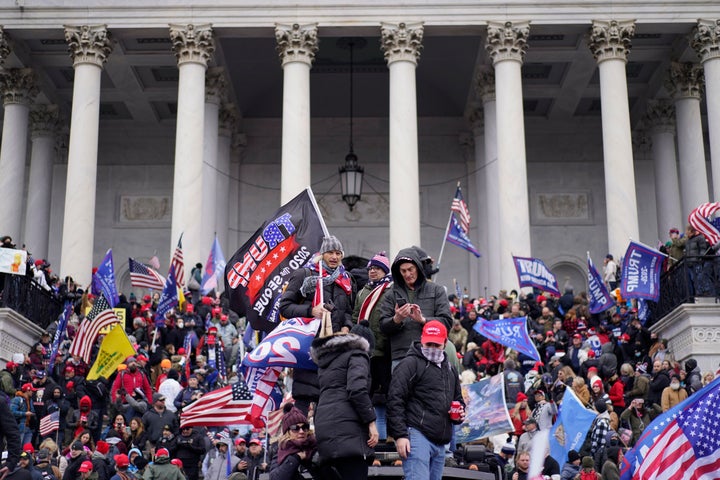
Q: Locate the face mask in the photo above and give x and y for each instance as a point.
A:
(434, 355)
(180, 324)
(675, 386)
(133, 369)
(637, 354)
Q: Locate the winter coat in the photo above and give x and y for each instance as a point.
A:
(420, 397)
(9, 429)
(19, 406)
(345, 409)
(162, 469)
(429, 296)
(189, 448)
(375, 317)
(130, 381)
(102, 466)
(215, 465)
(671, 397)
(659, 382)
(154, 422)
(569, 471)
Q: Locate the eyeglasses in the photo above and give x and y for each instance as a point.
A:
(302, 426)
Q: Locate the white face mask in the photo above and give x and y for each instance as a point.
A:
(675, 386)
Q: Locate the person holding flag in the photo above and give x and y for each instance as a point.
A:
(338, 293)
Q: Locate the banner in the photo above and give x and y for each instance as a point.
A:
(257, 272)
(511, 332)
(532, 272)
(641, 271)
(598, 295)
(114, 349)
(13, 261)
(168, 299)
(286, 346)
(485, 412)
(569, 430)
(104, 278)
(214, 268)
(457, 237)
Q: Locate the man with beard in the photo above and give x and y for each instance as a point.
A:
(131, 380)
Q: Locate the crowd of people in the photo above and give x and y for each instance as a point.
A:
(391, 361)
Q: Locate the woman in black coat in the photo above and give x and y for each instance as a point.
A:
(344, 418)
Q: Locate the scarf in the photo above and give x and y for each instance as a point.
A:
(290, 447)
(337, 275)
(434, 355)
(373, 297)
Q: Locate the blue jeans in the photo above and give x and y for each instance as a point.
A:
(426, 460)
(381, 421)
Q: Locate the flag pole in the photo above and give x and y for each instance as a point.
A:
(442, 247)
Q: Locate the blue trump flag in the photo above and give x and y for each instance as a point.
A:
(598, 295)
(214, 268)
(458, 237)
(104, 280)
(511, 332)
(571, 427)
(641, 271)
(286, 346)
(168, 299)
(62, 324)
(532, 272)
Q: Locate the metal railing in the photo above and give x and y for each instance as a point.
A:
(689, 278)
(26, 297)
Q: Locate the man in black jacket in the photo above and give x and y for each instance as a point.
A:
(423, 389)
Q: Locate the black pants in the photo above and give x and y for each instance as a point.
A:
(354, 468)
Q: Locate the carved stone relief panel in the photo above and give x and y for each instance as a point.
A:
(372, 210)
(561, 208)
(144, 209)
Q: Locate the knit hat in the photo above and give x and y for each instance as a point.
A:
(587, 462)
(165, 363)
(508, 449)
(600, 405)
(521, 397)
(293, 417)
(331, 243)
(102, 447)
(362, 329)
(381, 261)
(43, 455)
(573, 455)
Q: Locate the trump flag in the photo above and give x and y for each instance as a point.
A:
(257, 272)
(641, 271)
(286, 346)
(511, 332)
(532, 272)
(598, 295)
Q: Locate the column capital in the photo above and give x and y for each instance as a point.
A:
(44, 121)
(611, 39)
(4, 45)
(88, 44)
(476, 117)
(296, 43)
(485, 84)
(228, 119)
(660, 116)
(215, 85)
(18, 85)
(641, 142)
(507, 41)
(401, 41)
(192, 43)
(238, 143)
(705, 39)
(685, 80)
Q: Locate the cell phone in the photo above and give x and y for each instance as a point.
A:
(400, 301)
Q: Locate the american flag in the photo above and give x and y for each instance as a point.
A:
(460, 208)
(262, 381)
(224, 406)
(177, 263)
(699, 219)
(99, 317)
(142, 276)
(682, 444)
(49, 423)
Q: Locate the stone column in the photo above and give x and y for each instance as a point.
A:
(239, 141)
(685, 85)
(476, 120)
(706, 42)
(17, 87)
(485, 90)
(506, 45)
(296, 46)
(90, 46)
(609, 43)
(43, 121)
(660, 120)
(228, 122)
(401, 44)
(193, 46)
(214, 95)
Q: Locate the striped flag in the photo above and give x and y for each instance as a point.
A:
(142, 276)
(699, 219)
(262, 381)
(99, 317)
(177, 263)
(682, 443)
(460, 208)
(49, 423)
(224, 406)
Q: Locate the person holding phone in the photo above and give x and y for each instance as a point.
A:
(414, 302)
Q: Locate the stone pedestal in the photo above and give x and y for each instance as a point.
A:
(19, 334)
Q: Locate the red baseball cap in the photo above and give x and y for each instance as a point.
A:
(121, 460)
(86, 466)
(434, 332)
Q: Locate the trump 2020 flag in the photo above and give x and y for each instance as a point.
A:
(641, 271)
(457, 237)
(214, 268)
(256, 273)
(286, 346)
(511, 332)
(569, 430)
(532, 272)
(486, 413)
(598, 295)
(104, 278)
(168, 299)
(682, 443)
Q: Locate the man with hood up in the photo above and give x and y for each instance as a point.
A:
(414, 302)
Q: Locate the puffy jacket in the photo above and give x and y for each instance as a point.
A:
(429, 296)
(344, 410)
(162, 469)
(420, 397)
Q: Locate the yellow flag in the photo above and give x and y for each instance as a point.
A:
(181, 298)
(115, 348)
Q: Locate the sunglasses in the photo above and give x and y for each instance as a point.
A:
(303, 426)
